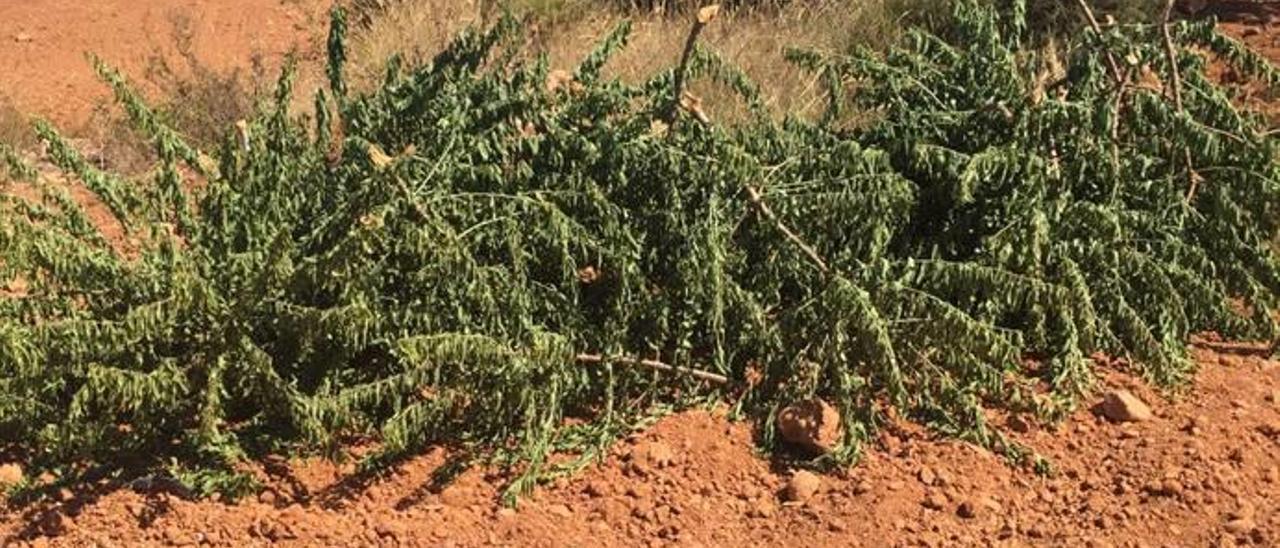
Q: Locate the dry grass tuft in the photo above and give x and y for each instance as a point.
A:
(199, 101)
(414, 29)
(15, 127)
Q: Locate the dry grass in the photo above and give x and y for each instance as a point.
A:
(414, 29)
(15, 128)
(203, 103)
(199, 101)
(566, 30)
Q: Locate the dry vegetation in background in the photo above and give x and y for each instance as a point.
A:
(566, 30)
(201, 102)
(15, 131)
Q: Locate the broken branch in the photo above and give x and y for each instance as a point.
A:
(655, 365)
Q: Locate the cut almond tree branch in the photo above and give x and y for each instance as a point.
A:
(1119, 77)
(754, 196)
(1172, 55)
(705, 16)
(1111, 60)
(655, 365)
(1175, 92)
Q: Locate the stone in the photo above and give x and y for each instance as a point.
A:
(1019, 424)
(935, 501)
(763, 509)
(596, 489)
(813, 424)
(1240, 526)
(1123, 406)
(862, 487)
(652, 456)
(927, 476)
(802, 486)
(10, 474)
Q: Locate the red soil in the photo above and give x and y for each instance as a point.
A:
(43, 43)
(1202, 472)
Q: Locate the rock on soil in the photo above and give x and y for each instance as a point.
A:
(652, 456)
(813, 424)
(1241, 526)
(10, 474)
(935, 501)
(1122, 406)
(802, 486)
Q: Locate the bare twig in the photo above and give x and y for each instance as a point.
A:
(1117, 76)
(1114, 130)
(655, 365)
(1245, 348)
(1093, 23)
(1172, 55)
(1175, 92)
(1193, 178)
(754, 196)
(705, 15)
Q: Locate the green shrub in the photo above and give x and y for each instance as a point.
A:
(470, 255)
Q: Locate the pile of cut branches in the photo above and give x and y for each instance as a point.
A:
(482, 247)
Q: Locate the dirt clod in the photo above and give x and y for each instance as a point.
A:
(596, 489)
(1123, 406)
(1240, 526)
(1019, 424)
(652, 456)
(386, 529)
(763, 509)
(862, 487)
(927, 476)
(935, 501)
(813, 424)
(10, 474)
(802, 486)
